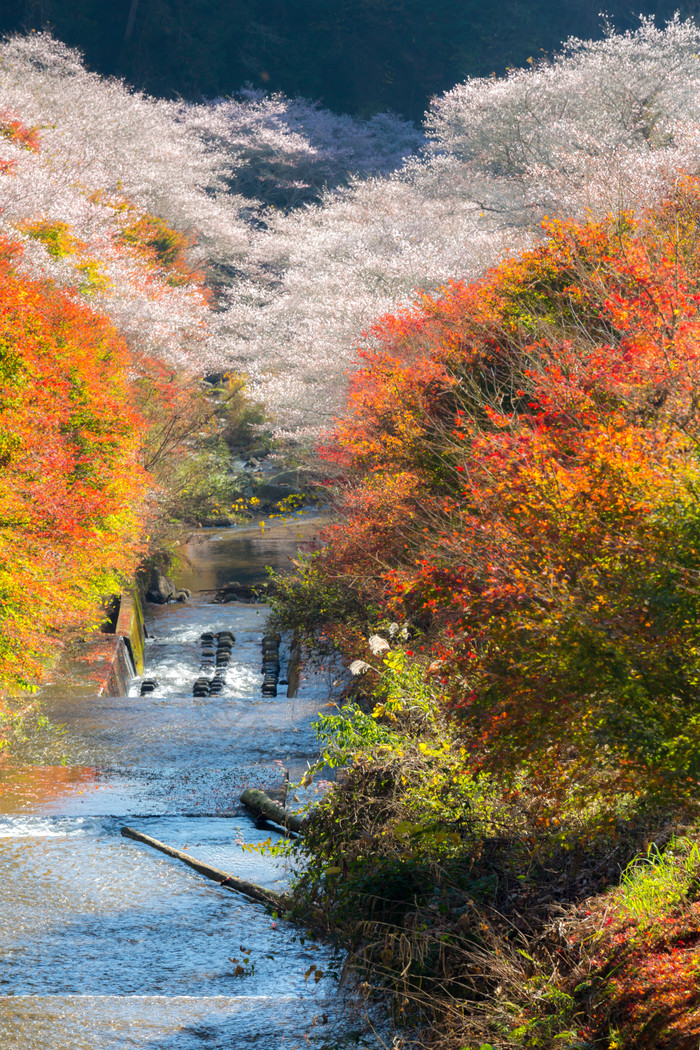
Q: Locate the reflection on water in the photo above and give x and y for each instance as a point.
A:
(106, 943)
(210, 558)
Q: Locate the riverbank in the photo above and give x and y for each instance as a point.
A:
(498, 913)
(105, 943)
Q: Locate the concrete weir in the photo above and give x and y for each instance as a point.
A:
(104, 663)
(127, 638)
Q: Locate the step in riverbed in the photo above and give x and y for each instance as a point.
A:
(106, 943)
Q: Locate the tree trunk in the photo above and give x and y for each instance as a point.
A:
(229, 882)
(263, 806)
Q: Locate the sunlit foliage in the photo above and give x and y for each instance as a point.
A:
(518, 480)
(71, 489)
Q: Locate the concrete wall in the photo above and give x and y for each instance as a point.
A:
(118, 653)
(131, 627)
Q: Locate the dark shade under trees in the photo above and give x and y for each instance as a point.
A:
(357, 56)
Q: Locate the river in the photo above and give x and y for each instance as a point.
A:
(106, 943)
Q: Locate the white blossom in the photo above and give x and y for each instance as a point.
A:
(311, 225)
(607, 124)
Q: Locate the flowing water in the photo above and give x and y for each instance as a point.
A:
(107, 943)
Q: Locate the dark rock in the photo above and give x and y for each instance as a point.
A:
(236, 592)
(259, 452)
(271, 494)
(160, 588)
(219, 522)
(290, 478)
(245, 592)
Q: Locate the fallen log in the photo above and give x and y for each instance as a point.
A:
(229, 882)
(263, 806)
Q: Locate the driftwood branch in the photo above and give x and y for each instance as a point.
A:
(229, 882)
(263, 806)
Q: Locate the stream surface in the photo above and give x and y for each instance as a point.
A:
(107, 943)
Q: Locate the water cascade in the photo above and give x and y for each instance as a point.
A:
(106, 943)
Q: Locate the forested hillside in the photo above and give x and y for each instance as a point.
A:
(356, 56)
(261, 235)
(127, 224)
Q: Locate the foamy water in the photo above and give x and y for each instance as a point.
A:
(39, 828)
(106, 943)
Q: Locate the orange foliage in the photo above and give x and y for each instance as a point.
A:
(160, 246)
(71, 486)
(13, 129)
(519, 479)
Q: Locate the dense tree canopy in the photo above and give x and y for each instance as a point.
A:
(358, 56)
(518, 481)
(263, 233)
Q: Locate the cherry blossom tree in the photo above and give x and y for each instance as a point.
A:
(286, 152)
(603, 126)
(308, 225)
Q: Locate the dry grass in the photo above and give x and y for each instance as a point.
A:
(496, 929)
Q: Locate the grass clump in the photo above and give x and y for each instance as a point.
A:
(491, 909)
